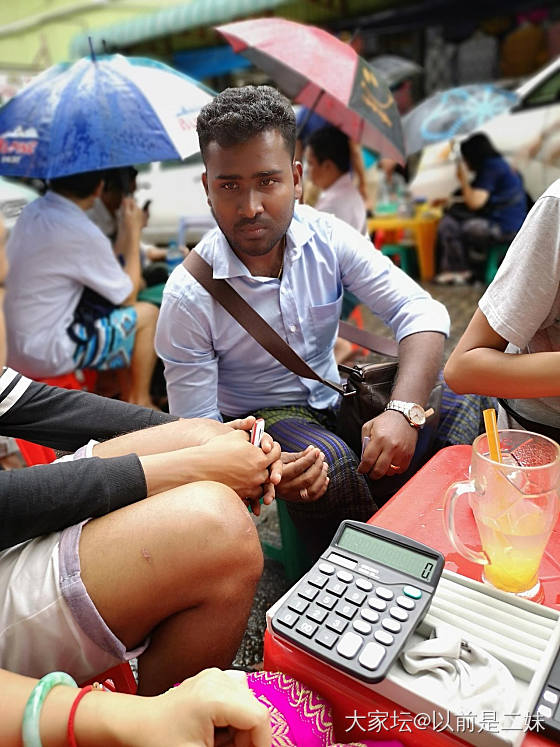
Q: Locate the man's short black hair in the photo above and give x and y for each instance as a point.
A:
(329, 143)
(238, 114)
(78, 185)
(120, 180)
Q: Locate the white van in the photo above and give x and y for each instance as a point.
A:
(179, 210)
(528, 136)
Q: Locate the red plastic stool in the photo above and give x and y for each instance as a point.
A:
(119, 678)
(81, 379)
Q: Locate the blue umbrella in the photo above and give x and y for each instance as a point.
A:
(457, 111)
(99, 113)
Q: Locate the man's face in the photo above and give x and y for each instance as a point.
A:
(251, 190)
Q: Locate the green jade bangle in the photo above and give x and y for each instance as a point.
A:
(30, 727)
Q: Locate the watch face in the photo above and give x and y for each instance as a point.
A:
(416, 414)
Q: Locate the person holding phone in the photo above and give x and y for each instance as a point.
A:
(491, 210)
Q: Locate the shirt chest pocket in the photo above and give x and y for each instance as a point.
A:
(324, 324)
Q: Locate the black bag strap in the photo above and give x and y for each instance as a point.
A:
(260, 330)
(531, 425)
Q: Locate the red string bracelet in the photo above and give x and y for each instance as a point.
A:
(72, 715)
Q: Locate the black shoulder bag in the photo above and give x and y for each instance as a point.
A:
(368, 386)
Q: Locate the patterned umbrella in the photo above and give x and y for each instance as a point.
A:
(457, 111)
(99, 113)
(316, 69)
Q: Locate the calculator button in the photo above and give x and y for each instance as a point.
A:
(369, 615)
(356, 597)
(398, 614)
(384, 593)
(383, 637)
(550, 697)
(393, 626)
(544, 711)
(317, 614)
(288, 618)
(363, 583)
(346, 610)
(345, 576)
(326, 638)
(405, 602)
(298, 605)
(412, 591)
(362, 626)
(327, 568)
(349, 645)
(317, 579)
(307, 628)
(327, 601)
(341, 560)
(372, 655)
(336, 588)
(308, 592)
(336, 623)
(377, 604)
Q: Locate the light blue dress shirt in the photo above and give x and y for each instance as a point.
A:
(213, 366)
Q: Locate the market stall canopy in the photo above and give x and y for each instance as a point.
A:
(167, 21)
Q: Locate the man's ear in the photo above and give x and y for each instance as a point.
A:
(204, 178)
(297, 170)
(99, 189)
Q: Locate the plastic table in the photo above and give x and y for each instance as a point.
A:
(424, 227)
(416, 511)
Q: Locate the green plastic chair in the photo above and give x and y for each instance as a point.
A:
(291, 554)
(496, 254)
(407, 256)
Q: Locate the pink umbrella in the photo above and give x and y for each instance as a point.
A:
(316, 69)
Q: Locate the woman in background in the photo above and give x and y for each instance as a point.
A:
(493, 206)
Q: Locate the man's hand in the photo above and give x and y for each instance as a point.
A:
(131, 216)
(305, 475)
(391, 446)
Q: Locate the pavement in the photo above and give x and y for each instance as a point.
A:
(461, 303)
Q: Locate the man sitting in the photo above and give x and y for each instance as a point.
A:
(292, 264)
(60, 261)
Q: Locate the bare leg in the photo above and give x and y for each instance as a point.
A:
(181, 566)
(144, 355)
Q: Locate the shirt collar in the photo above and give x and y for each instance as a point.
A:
(57, 199)
(226, 264)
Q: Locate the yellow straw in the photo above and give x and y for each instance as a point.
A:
(492, 434)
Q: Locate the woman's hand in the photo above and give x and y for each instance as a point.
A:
(212, 708)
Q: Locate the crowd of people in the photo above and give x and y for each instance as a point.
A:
(104, 550)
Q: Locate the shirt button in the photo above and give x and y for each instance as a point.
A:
(292, 327)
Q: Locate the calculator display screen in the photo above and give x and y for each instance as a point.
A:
(389, 553)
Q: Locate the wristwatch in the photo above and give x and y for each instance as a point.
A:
(415, 414)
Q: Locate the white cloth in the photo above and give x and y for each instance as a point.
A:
(344, 200)
(462, 677)
(213, 366)
(53, 252)
(522, 304)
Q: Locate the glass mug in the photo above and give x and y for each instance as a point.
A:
(515, 506)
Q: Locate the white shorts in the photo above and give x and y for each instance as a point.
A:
(47, 619)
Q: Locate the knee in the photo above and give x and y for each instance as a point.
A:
(223, 528)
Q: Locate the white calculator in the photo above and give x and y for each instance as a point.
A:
(358, 605)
